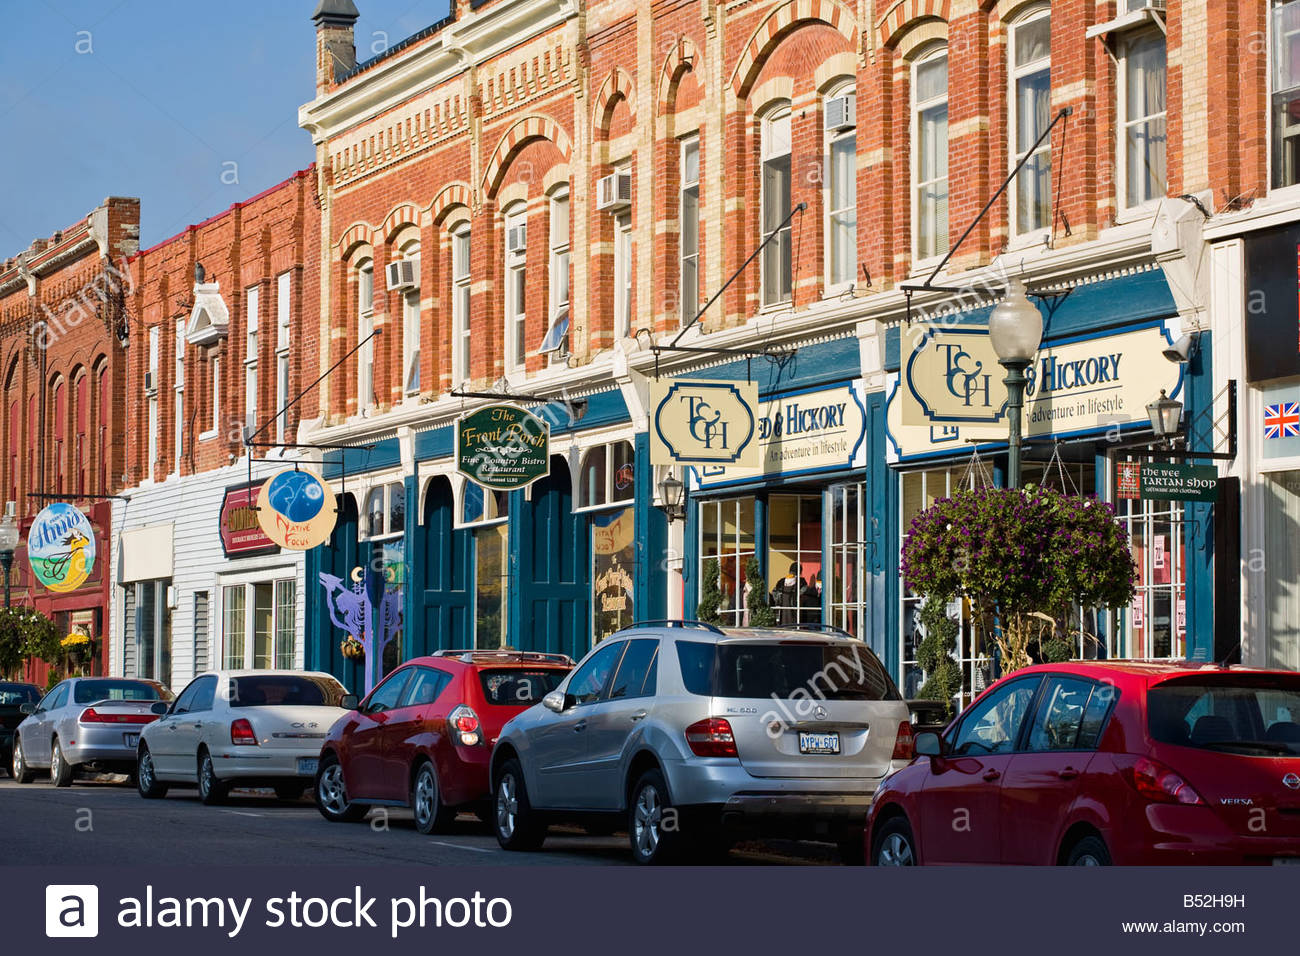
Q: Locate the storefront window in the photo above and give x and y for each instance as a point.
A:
(490, 546)
(153, 632)
(608, 475)
(848, 558)
(1281, 569)
(794, 562)
(285, 606)
(727, 533)
(1155, 625)
(259, 624)
(613, 559)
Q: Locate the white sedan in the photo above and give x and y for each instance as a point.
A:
(241, 728)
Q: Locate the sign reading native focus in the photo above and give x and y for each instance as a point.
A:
(61, 547)
(296, 509)
(503, 447)
(241, 533)
(704, 423)
(1165, 481)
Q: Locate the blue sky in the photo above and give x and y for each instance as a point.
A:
(155, 98)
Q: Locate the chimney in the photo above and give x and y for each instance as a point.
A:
(336, 51)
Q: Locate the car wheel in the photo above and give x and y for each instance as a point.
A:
(332, 797)
(431, 815)
(1090, 851)
(146, 777)
(212, 790)
(290, 791)
(60, 769)
(894, 844)
(18, 767)
(516, 822)
(652, 824)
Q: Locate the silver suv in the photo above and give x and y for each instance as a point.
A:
(688, 733)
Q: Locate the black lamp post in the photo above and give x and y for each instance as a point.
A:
(670, 492)
(1166, 416)
(8, 543)
(1016, 331)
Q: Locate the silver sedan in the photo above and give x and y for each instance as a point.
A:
(90, 723)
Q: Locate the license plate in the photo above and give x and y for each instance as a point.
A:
(130, 740)
(819, 743)
(307, 766)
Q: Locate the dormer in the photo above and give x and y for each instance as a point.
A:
(209, 319)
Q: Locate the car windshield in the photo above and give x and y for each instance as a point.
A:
(1255, 714)
(284, 690)
(11, 695)
(519, 687)
(779, 669)
(89, 691)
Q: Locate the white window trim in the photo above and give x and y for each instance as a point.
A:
(460, 324)
(1147, 208)
(178, 403)
(283, 342)
(776, 112)
(558, 248)
(608, 503)
(246, 580)
(393, 485)
(624, 275)
(516, 314)
(458, 508)
(252, 350)
(687, 143)
(1032, 237)
(153, 446)
(365, 353)
(833, 288)
(923, 263)
(1289, 192)
(215, 428)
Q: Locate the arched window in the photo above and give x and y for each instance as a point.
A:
(385, 510)
(930, 153)
(689, 234)
(516, 285)
(1029, 74)
(556, 341)
(82, 425)
(607, 476)
(60, 427)
(775, 205)
(410, 288)
(840, 109)
(365, 326)
(460, 303)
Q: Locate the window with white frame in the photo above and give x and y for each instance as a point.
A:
(411, 324)
(689, 234)
(460, 302)
(1142, 117)
(841, 187)
(178, 396)
(385, 510)
(608, 475)
(151, 393)
(623, 271)
(216, 395)
(365, 326)
(259, 624)
(516, 266)
(775, 203)
(1030, 62)
(485, 511)
(558, 279)
(250, 359)
(283, 333)
(930, 153)
(1284, 86)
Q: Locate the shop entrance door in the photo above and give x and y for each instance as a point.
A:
(554, 569)
(443, 601)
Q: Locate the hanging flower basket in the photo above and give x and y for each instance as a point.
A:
(78, 646)
(352, 649)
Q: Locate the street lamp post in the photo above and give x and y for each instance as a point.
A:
(1016, 330)
(8, 542)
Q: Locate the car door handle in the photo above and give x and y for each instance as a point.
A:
(640, 715)
(1068, 773)
(580, 726)
(992, 774)
(197, 726)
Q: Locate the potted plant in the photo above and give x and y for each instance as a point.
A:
(77, 646)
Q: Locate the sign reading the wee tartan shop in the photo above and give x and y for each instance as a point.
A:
(710, 422)
(503, 447)
(1165, 481)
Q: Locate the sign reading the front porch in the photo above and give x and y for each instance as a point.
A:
(1165, 481)
(503, 447)
(704, 423)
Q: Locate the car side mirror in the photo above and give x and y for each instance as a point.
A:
(349, 702)
(928, 745)
(27, 709)
(159, 707)
(556, 701)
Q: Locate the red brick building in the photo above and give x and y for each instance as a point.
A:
(65, 324)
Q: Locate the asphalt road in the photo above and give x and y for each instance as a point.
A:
(102, 822)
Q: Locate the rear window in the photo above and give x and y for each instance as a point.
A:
(778, 669)
(89, 691)
(285, 690)
(1257, 715)
(519, 687)
(12, 695)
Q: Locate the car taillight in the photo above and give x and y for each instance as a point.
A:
(1157, 782)
(711, 737)
(465, 723)
(91, 716)
(903, 743)
(241, 732)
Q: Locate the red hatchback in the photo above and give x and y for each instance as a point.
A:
(423, 738)
(1092, 763)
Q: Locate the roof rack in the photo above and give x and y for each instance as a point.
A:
(676, 622)
(823, 628)
(472, 656)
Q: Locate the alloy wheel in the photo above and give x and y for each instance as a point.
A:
(332, 795)
(426, 793)
(896, 850)
(507, 806)
(647, 820)
(145, 771)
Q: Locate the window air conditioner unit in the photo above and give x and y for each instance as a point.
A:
(840, 112)
(614, 191)
(404, 274)
(150, 383)
(517, 238)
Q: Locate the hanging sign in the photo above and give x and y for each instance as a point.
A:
(296, 509)
(241, 532)
(1165, 481)
(704, 423)
(503, 447)
(61, 547)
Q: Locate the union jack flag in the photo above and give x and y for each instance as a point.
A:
(1282, 420)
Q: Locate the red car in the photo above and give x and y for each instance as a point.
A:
(1094, 763)
(423, 738)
